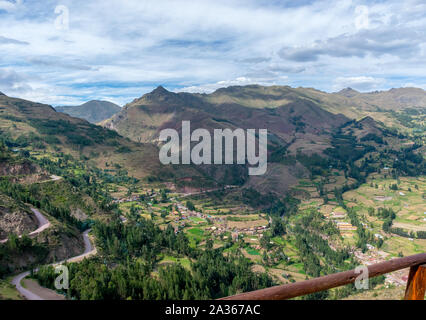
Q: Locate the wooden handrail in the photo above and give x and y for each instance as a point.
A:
(415, 286)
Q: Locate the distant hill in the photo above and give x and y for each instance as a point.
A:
(393, 99)
(93, 111)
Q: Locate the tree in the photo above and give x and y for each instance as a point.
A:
(190, 205)
(277, 227)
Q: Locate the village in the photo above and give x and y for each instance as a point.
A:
(181, 217)
(202, 221)
(373, 256)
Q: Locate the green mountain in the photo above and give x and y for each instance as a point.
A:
(304, 137)
(93, 111)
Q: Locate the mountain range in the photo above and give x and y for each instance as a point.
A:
(141, 119)
(299, 121)
(302, 124)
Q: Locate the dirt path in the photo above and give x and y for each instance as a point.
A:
(52, 178)
(43, 222)
(16, 281)
(89, 250)
(410, 227)
(206, 191)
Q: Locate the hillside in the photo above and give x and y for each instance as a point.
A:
(25, 123)
(158, 107)
(300, 131)
(142, 119)
(297, 120)
(396, 108)
(93, 111)
(23, 183)
(400, 109)
(15, 218)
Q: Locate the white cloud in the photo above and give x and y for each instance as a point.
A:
(10, 5)
(240, 81)
(13, 82)
(416, 85)
(121, 49)
(361, 83)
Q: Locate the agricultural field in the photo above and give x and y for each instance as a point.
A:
(406, 197)
(317, 230)
(233, 226)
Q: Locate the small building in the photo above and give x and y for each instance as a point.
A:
(235, 236)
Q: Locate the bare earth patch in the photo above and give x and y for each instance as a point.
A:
(410, 227)
(44, 293)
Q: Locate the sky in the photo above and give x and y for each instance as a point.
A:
(69, 52)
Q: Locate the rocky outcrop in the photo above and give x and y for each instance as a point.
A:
(79, 214)
(16, 222)
(15, 218)
(63, 245)
(15, 169)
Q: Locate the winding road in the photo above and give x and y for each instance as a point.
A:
(16, 281)
(88, 251)
(43, 223)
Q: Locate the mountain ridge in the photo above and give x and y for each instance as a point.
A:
(348, 102)
(296, 120)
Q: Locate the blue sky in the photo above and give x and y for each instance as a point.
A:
(119, 50)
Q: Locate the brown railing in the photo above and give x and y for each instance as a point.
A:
(415, 290)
